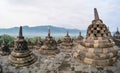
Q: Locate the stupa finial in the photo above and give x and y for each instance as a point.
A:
(67, 33)
(117, 29)
(48, 32)
(96, 14)
(20, 33)
(80, 33)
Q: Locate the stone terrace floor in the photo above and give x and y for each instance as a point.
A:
(60, 63)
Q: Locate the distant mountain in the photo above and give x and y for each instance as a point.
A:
(41, 31)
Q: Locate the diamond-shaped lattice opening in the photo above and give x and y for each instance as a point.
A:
(98, 25)
(92, 31)
(88, 34)
(98, 31)
(95, 35)
(95, 28)
(104, 31)
(107, 34)
(92, 25)
(102, 34)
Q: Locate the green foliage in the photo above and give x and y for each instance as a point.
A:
(30, 41)
(59, 41)
(36, 39)
(7, 38)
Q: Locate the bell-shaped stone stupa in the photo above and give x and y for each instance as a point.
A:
(97, 49)
(49, 46)
(21, 55)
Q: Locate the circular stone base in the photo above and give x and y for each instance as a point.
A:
(81, 67)
(100, 57)
(22, 60)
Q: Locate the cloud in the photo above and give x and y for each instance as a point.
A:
(64, 13)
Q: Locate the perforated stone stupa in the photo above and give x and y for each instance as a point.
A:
(79, 39)
(38, 43)
(117, 34)
(67, 42)
(4, 49)
(116, 37)
(50, 46)
(97, 49)
(21, 55)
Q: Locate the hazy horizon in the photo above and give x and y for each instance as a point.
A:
(43, 31)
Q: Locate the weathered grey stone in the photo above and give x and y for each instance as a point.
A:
(100, 50)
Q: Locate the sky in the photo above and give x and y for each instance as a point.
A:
(74, 14)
